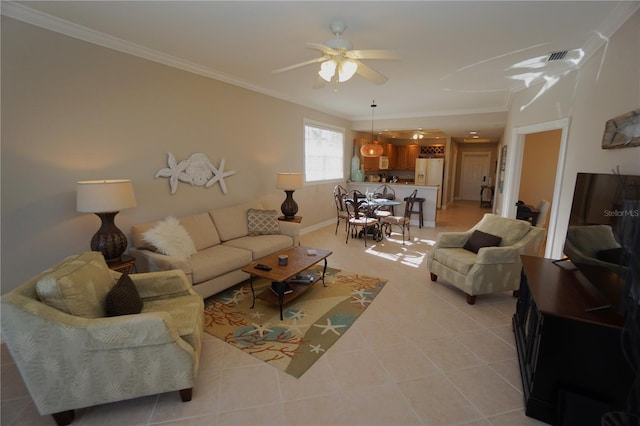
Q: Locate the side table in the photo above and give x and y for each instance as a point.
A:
(126, 264)
(296, 219)
(488, 203)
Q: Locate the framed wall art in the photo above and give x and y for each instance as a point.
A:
(622, 131)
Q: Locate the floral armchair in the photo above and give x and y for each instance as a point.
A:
(486, 261)
(72, 355)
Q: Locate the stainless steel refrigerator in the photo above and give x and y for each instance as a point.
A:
(430, 171)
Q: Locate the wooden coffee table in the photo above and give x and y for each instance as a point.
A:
(299, 261)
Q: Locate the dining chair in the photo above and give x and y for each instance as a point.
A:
(404, 221)
(386, 192)
(359, 219)
(339, 194)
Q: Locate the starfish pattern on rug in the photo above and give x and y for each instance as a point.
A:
(361, 300)
(261, 329)
(233, 299)
(316, 349)
(361, 293)
(330, 327)
(295, 314)
(312, 323)
(297, 328)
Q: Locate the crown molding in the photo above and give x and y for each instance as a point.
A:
(40, 19)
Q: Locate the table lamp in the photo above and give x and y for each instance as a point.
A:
(106, 198)
(289, 182)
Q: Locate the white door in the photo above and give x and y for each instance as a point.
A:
(475, 168)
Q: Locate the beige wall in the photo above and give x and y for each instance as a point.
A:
(606, 86)
(73, 111)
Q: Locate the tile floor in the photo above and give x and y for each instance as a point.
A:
(418, 356)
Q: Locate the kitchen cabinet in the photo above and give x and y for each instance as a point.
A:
(412, 154)
(406, 157)
(390, 152)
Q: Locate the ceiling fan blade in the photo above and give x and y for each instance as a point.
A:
(301, 64)
(389, 55)
(370, 74)
(324, 49)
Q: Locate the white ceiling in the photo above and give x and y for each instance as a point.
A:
(457, 58)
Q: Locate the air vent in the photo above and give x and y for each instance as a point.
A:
(557, 56)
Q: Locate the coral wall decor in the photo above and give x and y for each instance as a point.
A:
(195, 170)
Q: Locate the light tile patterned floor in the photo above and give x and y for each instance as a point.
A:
(418, 356)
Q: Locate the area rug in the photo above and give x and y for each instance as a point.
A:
(312, 322)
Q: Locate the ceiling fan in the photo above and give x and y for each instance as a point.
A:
(341, 61)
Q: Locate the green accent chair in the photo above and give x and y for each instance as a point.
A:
(492, 269)
(71, 355)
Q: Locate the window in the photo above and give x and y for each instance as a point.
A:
(323, 152)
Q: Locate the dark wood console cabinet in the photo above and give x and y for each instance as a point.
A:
(571, 361)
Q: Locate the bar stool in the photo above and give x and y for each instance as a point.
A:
(418, 202)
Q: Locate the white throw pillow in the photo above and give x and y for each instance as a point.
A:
(170, 238)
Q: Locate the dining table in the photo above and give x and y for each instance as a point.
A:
(371, 207)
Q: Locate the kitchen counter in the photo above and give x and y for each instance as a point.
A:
(428, 192)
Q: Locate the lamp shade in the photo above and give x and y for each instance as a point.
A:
(290, 181)
(101, 196)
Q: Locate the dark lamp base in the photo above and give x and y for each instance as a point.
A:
(289, 207)
(109, 240)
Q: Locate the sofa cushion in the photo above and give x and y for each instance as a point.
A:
(123, 298)
(217, 260)
(479, 239)
(261, 245)
(262, 222)
(231, 222)
(78, 285)
(510, 230)
(201, 229)
(170, 238)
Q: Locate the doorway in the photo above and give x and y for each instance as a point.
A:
(475, 168)
(555, 236)
(539, 162)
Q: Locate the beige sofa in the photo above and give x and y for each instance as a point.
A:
(224, 246)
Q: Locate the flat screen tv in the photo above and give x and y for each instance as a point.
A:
(603, 233)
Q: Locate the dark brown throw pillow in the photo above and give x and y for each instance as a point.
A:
(616, 256)
(481, 239)
(123, 298)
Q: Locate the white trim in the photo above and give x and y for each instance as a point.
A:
(515, 152)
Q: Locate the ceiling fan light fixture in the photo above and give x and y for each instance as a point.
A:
(327, 70)
(346, 70)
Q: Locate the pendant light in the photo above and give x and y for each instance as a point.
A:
(371, 149)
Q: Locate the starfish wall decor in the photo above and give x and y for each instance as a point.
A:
(196, 170)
